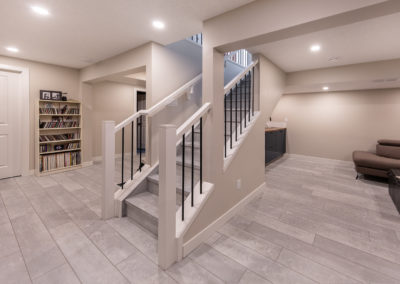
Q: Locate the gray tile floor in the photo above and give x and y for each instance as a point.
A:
(313, 223)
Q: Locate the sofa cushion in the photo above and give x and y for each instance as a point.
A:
(389, 142)
(388, 151)
(371, 160)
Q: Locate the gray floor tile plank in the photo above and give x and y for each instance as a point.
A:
(13, 270)
(60, 275)
(251, 277)
(220, 265)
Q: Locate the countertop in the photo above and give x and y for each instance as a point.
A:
(272, 129)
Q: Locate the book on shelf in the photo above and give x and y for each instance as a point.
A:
(58, 124)
(58, 137)
(49, 108)
(59, 147)
(59, 161)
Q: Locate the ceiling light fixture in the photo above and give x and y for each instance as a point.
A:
(325, 88)
(40, 10)
(12, 49)
(315, 48)
(158, 25)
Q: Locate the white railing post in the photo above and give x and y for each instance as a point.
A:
(167, 247)
(108, 164)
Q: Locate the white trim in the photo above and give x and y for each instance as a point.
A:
(25, 129)
(231, 153)
(87, 164)
(202, 236)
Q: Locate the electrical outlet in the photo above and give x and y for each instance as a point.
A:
(238, 184)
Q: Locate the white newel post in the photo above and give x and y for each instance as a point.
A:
(167, 252)
(108, 151)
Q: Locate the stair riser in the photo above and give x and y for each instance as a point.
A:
(143, 218)
(153, 188)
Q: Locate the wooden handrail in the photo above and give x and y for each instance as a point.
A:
(232, 83)
(189, 122)
(161, 104)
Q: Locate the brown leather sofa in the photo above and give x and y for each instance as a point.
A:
(387, 157)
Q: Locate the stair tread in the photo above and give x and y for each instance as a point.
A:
(145, 201)
(155, 178)
(188, 161)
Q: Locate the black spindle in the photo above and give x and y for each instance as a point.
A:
(122, 162)
(183, 177)
(225, 117)
(132, 150)
(192, 173)
(252, 91)
(201, 155)
(230, 104)
(140, 144)
(245, 99)
(236, 109)
(240, 99)
(249, 90)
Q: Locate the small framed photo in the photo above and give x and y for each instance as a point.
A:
(45, 95)
(56, 96)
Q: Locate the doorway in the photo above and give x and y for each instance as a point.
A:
(11, 115)
(141, 124)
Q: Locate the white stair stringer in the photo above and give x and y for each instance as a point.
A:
(231, 153)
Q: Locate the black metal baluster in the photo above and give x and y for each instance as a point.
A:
(132, 150)
(225, 123)
(201, 155)
(252, 92)
(123, 148)
(240, 98)
(249, 97)
(140, 145)
(183, 177)
(236, 118)
(245, 100)
(230, 105)
(192, 164)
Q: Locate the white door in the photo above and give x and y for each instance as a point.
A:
(10, 124)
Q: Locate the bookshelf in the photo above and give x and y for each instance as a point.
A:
(58, 136)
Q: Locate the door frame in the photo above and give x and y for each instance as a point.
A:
(25, 129)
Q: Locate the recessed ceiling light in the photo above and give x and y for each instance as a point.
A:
(40, 10)
(315, 48)
(158, 25)
(325, 88)
(12, 49)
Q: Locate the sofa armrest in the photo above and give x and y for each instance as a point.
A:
(388, 142)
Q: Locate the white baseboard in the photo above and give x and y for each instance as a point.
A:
(202, 236)
(87, 164)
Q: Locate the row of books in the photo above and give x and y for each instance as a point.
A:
(51, 109)
(58, 137)
(57, 161)
(58, 124)
(59, 147)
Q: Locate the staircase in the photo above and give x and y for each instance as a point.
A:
(238, 110)
(142, 205)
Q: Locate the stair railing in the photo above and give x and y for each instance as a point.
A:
(197, 39)
(241, 107)
(170, 136)
(109, 133)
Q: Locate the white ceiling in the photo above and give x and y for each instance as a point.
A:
(372, 40)
(81, 32)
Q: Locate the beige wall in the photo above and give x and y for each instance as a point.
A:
(44, 77)
(334, 124)
(110, 101)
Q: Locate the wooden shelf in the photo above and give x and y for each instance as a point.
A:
(59, 141)
(51, 155)
(57, 170)
(60, 151)
(59, 128)
(63, 114)
(60, 102)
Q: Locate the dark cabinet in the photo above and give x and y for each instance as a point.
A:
(275, 144)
